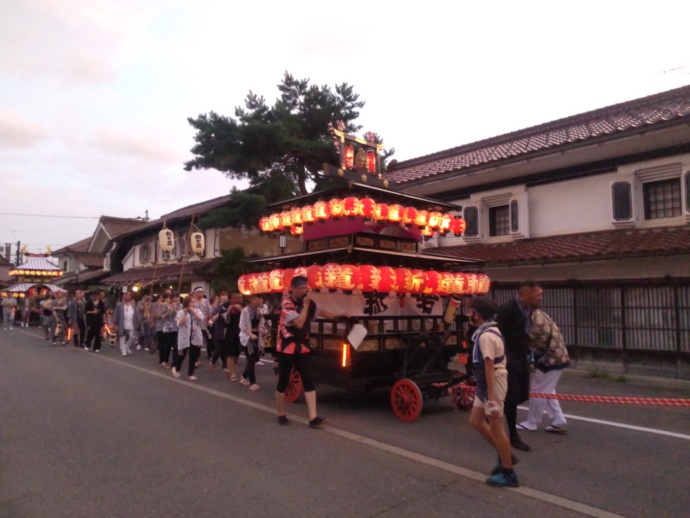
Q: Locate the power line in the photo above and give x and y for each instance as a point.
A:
(47, 215)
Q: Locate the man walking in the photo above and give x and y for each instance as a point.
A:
(127, 321)
(76, 318)
(95, 314)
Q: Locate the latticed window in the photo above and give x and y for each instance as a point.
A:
(499, 220)
(662, 199)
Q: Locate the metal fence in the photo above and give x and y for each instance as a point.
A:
(625, 317)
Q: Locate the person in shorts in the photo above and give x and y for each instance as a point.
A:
(489, 366)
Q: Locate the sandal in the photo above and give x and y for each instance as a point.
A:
(234, 378)
(254, 387)
(192, 378)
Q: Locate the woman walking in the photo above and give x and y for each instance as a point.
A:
(251, 331)
(189, 338)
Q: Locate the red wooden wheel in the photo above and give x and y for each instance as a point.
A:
(406, 400)
(294, 387)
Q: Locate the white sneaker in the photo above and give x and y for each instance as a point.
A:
(260, 363)
(138, 347)
(86, 348)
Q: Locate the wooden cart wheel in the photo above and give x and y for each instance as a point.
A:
(294, 387)
(468, 390)
(406, 400)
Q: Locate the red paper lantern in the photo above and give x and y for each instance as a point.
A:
(243, 285)
(276, 221)
(351, 207)
(387, 279)
(395, 213)
(418, 278)
(403, 280)
(409, 216)
(349, 157)
(322, 211)
(427, 232)
(431, 282)
(275, 281)
(265, 224)
(435, 220)
(472, 283)
(446, 220)
(337, 208)
(349, 277)
(329, 274)
(483, 284)
(371, 161)
(253, 283)
(380, 212)
(367, 207)
(460, 284)
(458, 225)
(263, 282)
(446, 283)
(288, 274)
(370, 278)
(286, 219)
(301, 271)
(296, 216)
(314, 278)
(296, 230)
(308, 216)
(422, 219)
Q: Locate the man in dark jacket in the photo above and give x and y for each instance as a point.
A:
(513, 320)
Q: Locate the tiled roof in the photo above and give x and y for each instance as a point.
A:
(38, 263)
(118, 226)
(605, 123)
(609, 244)
(91, 260)
(167, 271)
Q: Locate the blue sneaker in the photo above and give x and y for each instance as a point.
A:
(503, 480)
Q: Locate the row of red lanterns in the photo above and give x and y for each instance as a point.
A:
(351, 207)
(367, 279)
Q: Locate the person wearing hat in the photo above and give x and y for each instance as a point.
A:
(489, 365)
(297, 312)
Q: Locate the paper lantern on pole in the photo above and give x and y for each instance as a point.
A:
(198, 243)
(308, 215)
(417, 283)
(329, 274)
(276, 221)
(380, 212)
(322, 211)
(349, 277)
(435, 220)
(446, 283)
(288, 274)
(457, 226)
(265, 224)
(403, 280)
(336, 207)
(243, 285)
(422, 219)
(483, 284)
(166, 239)
(409, 216)
(275, 281)
(395, 213)
(296, 216)
(314, 279)
(349, 157)
(431, 282)
(460, 284)
(351, 207)
(367, 207)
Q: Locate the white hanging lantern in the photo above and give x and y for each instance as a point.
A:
(166, 240)
(198, 243)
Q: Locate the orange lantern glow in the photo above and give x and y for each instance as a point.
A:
(296, 230)
(265, 224)
(288, 274)
(243, 285)
(351, 207)
(349, 277)
(263, 282)
(483, 284)
(301, 271)
(446, 220)
(275, 281)
(435, 220)
(276, 222)
(349, 157)
(322, 211)
(472, 283)
(367, 207)
(314, 279)
(337, 208)
(460, 284)
(380, 212)
(371, 161)
(431, 282)
(387, 279)
(427, 232)
(371, 276)
(308, 215)
(286, 219)
(422, 219)
(446, 283)
(403, 280)
(296, 216)
(395, 213)
(457, 226)
(417, 281)
(253, 283)
(329, 274)
(409, 216)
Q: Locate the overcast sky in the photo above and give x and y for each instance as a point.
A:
(95, 94)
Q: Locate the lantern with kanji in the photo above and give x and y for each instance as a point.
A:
(371, 277)
(446, 283)
(296, 230)
(301, 271)
(243, 285)
(296, 216)
(371, 161)
(446, 220)
(322, 211)
(351, 207)
(276, 221)
(403, 280)
(349, 277)
(337, 208)
(435, 220)
(314, 279)
(460, 284)
(265, 224)
(253, 283)
(263, 283)
(380, 212)
(409, 216)
(288, 274)
(166, 239)
(427, 232)
(418, 278)
(395, 213)
(349, 157)
(472, 283)
(275, 281)
(431, 282)
(308, 215)
(483, 284)
(286, 219)
(387, 279)
(367, 207)
(457, 226)
(329, 274)
(198, 243)
(422, 219)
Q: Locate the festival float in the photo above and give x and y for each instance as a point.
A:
(34, 277)
(362, 256)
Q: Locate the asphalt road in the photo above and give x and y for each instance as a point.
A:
(85, 435)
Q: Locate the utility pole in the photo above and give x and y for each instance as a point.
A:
(18, 253)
